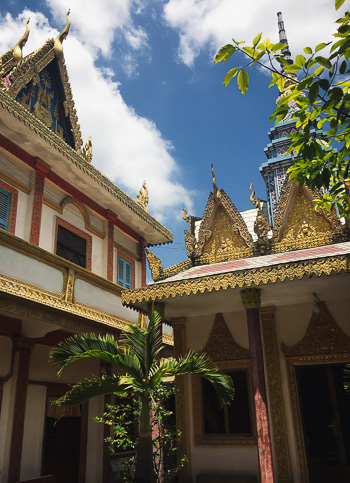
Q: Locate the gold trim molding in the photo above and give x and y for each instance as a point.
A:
(241, 279)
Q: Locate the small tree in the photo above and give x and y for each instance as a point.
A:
(123, 417)
(137, 358)
(321, 95)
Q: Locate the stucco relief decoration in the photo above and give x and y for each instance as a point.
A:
(323, 336)
(298, 225)
(221, 345)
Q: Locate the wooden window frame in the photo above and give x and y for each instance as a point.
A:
(11, 225)
(202, 439)
(124, 256)
(77, 231)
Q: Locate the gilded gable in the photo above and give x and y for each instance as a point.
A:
(299, 225)
(225, 241)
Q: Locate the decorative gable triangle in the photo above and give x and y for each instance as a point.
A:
(39, 82)
(221, 345)
(298, 225)
(323, 336)
(223, 234)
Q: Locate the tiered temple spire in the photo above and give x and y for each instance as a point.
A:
(274, 170)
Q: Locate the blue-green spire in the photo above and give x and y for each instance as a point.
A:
(283, 38)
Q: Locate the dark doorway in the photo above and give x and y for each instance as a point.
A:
(61, 449)
(325, 409)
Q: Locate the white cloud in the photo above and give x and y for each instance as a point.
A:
(126, 147)
(213, 23)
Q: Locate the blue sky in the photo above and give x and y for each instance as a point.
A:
(148, 92)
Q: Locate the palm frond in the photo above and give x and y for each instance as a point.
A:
(198, 364)
(86, 345)
(88, 388)
(145, 343)
(347, 378)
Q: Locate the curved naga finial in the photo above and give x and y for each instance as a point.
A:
(217, 194)
(142, 196)
(185, 215)
(17, 50)
(255, 201)
(58, 48)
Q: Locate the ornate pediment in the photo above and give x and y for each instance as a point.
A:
(39, 82)
(223, 235)
(299, 225)
(221, 345)
(322, 337)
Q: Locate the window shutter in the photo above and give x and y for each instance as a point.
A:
(124, 273)
(127, 275)
(121, 272)
(5, 202)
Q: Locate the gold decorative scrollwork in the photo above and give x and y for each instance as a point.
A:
(241, 279)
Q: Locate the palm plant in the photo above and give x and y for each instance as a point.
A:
(141, 371)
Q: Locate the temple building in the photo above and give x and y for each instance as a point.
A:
(70, 242)
(268, 301)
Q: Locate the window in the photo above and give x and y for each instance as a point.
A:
(230, 420)
(124, 273)
(71, 246)
(5, 203)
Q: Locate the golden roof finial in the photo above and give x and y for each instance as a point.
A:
(142, 196)
(255, 201)
(17, 50)
(217, 194)
(58, 48)
(88, 150)
(185, 215)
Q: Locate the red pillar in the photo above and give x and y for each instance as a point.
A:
(251, 302)
(112, 219)
(41, 170)
(23, 347)
(143, 263)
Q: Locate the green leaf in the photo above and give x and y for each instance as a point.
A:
(338, 4)
(300, 60)
(342, 67)
(321, 46)
(292, 68)
(229, 76)
(319, 70)
(313, 92)
(308, 50)
(243, 81)
(225, 53)
(278, 46)
(323, 61)
(257, 39)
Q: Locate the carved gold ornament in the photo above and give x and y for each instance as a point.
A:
(58, 48)
(142, 196)
(185, 215)
(216, 191)
(241, 279)
(88, 150)
(18, 48)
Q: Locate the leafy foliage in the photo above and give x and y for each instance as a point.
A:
(123, 416)
(319, 88)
